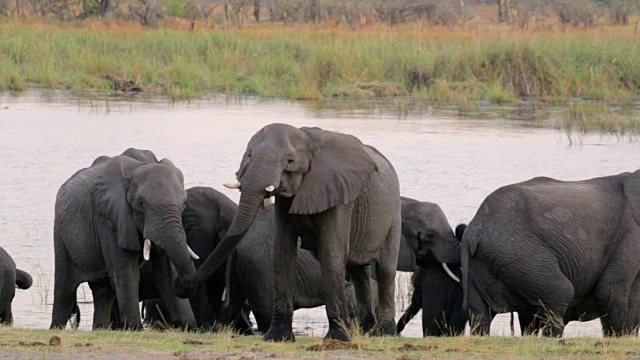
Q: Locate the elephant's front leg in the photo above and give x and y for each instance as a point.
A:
(284, 264)
(125, 277)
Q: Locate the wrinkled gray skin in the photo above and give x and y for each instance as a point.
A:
(427, 237)
(102, 216)
(10, 278)
(342, 198)
(559, 248)
(250, 276)
(156, 275)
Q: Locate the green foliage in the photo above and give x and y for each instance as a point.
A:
(176, 8)
(308, 65)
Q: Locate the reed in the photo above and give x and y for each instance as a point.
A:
(459, 65)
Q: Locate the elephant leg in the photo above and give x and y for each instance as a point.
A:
(64, 295)
(125, 279)
(529, 323)
(103, 300)
(332, 253)
(232, 312)
(412, 310)
(284, 266)
(433, 312)
(360, 278)
(385, 268)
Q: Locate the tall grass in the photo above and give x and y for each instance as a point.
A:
(304, 62)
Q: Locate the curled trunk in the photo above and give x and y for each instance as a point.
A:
(247, 210)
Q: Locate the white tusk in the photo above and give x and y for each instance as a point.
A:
(224, 294)
(268, 201)
(146, 250)
(232, 185)
(193, 253)
(450, 273)
(270, 188)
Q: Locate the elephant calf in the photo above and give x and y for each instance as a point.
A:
(251, 276)
(10, 278)
(437, 289)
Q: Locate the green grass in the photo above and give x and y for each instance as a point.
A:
(460, 66)
(150, 344)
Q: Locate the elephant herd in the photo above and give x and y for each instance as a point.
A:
(552, 251)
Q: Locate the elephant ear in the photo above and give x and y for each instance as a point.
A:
(338, 171)
(115, 182)
(632, 193)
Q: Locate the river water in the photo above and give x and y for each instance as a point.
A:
(453, 161)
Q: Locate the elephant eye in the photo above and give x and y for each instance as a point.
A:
(430, 236)
(290, 162)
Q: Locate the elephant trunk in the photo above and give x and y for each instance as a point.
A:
(167, 233)
(247, 209)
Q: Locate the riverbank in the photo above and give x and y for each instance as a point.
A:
(22, 343)
(462, 65)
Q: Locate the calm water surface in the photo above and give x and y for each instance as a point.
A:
(451, 161)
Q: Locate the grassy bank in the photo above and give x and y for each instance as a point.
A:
(497, 64)
(178, 345)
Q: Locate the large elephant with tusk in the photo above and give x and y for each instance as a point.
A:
(107, 218)
(342, 199)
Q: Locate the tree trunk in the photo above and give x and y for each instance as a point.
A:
(507, 10)
(315, 11)
(256, 10)
(226, 14)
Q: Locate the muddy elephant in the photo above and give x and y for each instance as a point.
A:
(555, 248)
(426, 237)
(342, 199)
(109, 218)
(250, 276)
(10, 279)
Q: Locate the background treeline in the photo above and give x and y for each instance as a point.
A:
(354, 13)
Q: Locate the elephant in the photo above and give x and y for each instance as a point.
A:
(11, 277)
(554, 249)
(342, 198)
(437, 289)
(250, 276)
(109, 218)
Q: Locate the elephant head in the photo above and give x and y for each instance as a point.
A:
(144, 201)
(304, 167)
(427, 232)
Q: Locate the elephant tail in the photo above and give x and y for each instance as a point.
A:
(23, 279)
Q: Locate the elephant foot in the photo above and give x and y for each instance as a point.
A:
(279, 334)
(367, 322)
(384, 328)
(338, 333)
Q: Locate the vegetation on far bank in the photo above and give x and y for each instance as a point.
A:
(461, 65)
(151, 344)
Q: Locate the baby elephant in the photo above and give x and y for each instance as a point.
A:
(437, 289)
(10, 277)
